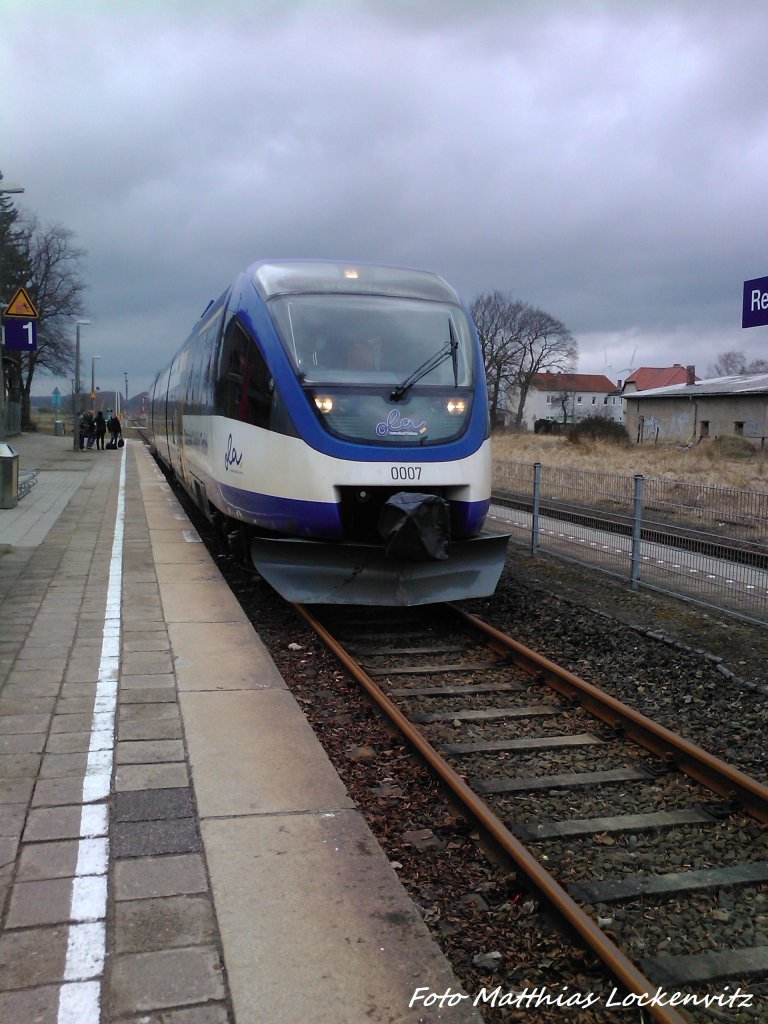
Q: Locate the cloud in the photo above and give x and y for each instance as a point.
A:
(604, 162)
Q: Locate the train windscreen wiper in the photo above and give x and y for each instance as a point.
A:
(450, 350)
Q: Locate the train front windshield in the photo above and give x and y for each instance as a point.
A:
(381, 369)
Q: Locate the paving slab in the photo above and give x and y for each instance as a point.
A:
(231, 644)
(150, 776)
(40, 861)
(169, 729)
(154, 924)
(364, 947)
(210, 601)
(242, 752)
(39, 1005)
(152, 838)
(152, 877)
(170, 978)
(154, 804)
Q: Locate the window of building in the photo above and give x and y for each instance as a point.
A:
(549, 399)
(738, 428)
(594, 400)
(704, 432)
(578, 400)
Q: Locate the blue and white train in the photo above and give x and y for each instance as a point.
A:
(332, 420)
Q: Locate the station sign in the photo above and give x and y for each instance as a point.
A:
(20, 335)
(20, 323)
(754, 312)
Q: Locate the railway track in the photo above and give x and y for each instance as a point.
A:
(657, 528)
(651, 850)
(648, 895)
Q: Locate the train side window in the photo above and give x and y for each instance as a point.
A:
(244, 387)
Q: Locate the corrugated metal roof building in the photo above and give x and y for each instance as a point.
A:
(735, 406)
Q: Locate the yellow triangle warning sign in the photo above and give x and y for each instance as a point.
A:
(21, 305)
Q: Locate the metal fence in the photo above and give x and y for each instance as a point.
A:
(699, 542)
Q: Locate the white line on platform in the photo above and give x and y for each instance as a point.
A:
(80, 995)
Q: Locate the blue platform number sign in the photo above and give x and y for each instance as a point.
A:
(755, 303)
(20, 335)
(20, 323)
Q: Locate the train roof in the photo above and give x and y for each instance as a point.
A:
(296, 277)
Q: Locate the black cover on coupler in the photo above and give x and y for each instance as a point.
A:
(415, 527)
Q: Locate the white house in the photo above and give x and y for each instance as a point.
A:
(569, 397)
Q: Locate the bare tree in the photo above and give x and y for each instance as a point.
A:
(518, 341)
(546, 345)
(564, 400)
(56, 286)
(732, 363)
(497, 317)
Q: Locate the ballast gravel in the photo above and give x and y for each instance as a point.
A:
(502, 945)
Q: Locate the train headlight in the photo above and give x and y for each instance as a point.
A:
(456, 406)
(324, 403)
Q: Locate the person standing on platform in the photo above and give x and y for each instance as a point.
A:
(101, 429)
(92, 431)
(84, 427)
(114, 428)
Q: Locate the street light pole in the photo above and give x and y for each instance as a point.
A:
(93, 377)
(76, 402)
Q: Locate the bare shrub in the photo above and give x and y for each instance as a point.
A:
(598, 428)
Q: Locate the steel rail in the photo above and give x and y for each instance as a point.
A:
(692, 760)
(619, 965)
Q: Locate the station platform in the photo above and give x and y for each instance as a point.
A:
(175, 846)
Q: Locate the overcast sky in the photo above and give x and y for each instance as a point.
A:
(604, 161)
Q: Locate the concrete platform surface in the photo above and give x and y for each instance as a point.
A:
(175, 846)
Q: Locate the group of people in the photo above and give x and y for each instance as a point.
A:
(93, 429)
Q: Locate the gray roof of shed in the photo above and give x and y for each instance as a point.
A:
(737, 384)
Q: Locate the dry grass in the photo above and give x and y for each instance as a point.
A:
(43, 422)
(727, 462)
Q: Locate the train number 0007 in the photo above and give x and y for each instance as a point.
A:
(406, 472)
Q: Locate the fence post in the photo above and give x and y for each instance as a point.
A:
(536, 507)
(637, 529)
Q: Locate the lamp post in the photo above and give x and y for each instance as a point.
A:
(76, 403)
(93, 376)
(5, 190)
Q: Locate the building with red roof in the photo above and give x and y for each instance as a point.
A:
(646, 378)
(569, 397)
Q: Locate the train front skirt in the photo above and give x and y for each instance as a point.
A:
(315, 572)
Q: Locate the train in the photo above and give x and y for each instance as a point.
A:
(331, 420)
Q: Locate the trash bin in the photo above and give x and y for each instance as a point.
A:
(9, 476)
(58, 428)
